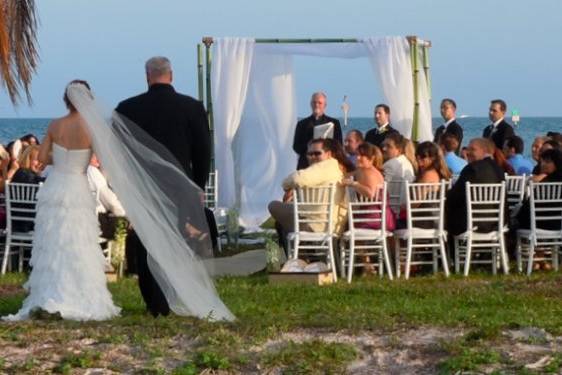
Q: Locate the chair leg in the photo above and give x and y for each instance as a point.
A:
(444, 256)
(518, 255)
(468, 256)
(530, 257)
(6, 256)
(332, 260)
(555, 257)
(343, 271)
(457, 253)
(408, 258)
(351, 260)
(435, 258)
(397, 256)
(387, 260)
(503, 255)
(21, 255)
(494, 254)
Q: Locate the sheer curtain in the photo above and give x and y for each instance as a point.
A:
(390, 59)
(264, 141)
(230, 74)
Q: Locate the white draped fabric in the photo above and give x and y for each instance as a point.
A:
(255, 112)
(230, 75)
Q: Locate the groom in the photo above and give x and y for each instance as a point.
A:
(178, 122)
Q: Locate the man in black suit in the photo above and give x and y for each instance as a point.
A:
(179, 123)
(304, 132)
(451, 126)
(377, 135)
(499, 130)
(481, 169)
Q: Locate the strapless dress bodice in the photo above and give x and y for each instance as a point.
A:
(71, 161)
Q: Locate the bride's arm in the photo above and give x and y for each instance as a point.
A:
(45, 149)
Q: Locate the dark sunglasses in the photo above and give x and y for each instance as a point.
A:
(314, 153)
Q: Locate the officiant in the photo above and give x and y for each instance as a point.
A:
(317, 125)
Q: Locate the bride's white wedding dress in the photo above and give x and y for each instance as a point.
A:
(68, 265)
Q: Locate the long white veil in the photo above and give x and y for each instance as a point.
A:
(162, 203)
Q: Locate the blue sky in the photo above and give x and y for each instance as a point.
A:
(481, 49)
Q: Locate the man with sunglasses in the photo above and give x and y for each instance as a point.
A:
(324, 169)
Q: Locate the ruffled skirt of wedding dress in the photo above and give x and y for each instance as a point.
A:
(68, 265)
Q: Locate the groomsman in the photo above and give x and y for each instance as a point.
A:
(377, 135)
(499, 130)
(451, 126)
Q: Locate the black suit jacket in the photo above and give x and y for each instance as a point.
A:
(453, 128)
(503, 131)
(304, 133)
(478, 172)
(376, 138)
(178, 122)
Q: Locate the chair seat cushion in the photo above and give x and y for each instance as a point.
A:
(419, 233)
(364, 233)
(540, 233)
(477, 236)
(309, 236)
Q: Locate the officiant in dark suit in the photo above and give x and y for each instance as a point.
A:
(304, 132)
(179, 123)
(451, 126)
(499, 130)
(377, 135)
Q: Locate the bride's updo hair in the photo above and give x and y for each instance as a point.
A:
(65, 97)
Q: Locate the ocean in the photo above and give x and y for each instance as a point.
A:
(528, 127)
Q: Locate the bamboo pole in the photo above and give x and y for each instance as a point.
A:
(208, 43)
(200, 72)
(425, 50)
(413, 40)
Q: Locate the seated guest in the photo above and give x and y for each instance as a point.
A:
(4, 162)
(481, 169)
(549, 144)
(29, 140)
(513, 151)
(29, 171)
(449, 144)
(464, 151)
(551, 164)
(106, 200)
(536, 152)
(352, 140)
(397, 168)
(501, 160)
(410, 153)
(377, 135)
(323, 169)
(432, 167)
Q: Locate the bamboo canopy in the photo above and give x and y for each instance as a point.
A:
(18, 46)
(417, 45)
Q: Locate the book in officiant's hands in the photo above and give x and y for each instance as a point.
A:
(324, 130)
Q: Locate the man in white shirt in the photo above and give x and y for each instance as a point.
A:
(396, 169)
(106, 200)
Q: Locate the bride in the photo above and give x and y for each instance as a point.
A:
(163, 205)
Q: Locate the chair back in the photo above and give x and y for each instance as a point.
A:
(515, 189)
(372, 210)
(21, 202)
(313, 208)
(546, 204)
(425, 205)
(395, 192)
(211, 190)
(485, 205)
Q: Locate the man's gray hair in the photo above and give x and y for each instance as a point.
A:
(319, 93)
(157, 66)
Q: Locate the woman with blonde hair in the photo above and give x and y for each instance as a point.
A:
(29, 171)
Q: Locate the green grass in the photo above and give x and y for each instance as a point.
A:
(482, 304)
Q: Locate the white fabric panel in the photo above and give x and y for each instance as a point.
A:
(390, 59)
(338, 50)
(230, 74)
(263, 146)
